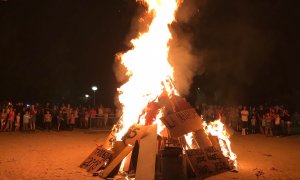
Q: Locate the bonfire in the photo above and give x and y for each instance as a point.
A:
(159, 134)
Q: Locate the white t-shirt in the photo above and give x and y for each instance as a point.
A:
(277, 120)
(244, 115)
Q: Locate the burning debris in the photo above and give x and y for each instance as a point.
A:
(159, 135)
(188, 149)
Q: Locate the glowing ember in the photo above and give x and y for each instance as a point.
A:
(216, 128)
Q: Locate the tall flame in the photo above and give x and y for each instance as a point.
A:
(147, 64)
(150, 76)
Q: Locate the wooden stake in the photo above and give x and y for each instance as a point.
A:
(147, 155)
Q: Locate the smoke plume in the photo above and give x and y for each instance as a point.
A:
(186, 60)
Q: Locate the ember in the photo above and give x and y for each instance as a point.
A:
(158, 126)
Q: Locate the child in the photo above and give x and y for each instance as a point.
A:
(32, 120)
(253, 124)
(48, 120)
(17, 122)
(72, 121)
(26, 118)
(60, 119)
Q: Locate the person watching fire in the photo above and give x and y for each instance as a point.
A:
(244, 118)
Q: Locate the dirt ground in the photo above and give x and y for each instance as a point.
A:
(57, 155)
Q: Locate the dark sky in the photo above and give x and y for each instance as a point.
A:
(56, 50)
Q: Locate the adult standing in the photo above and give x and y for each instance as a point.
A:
(60, 119)
(244, 119)
(93, 113)
(48, 120)
(26, 118)
(81, 115)
(288, 122)
(72, 121)
(68, 113)
(17, 122)
(268, 128)
(260, 119)
(11, 118)
(277, 124)
(3, 119)
(32, 121)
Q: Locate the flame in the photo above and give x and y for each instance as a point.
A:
(189, 140)
(147, 65)
(150, 76)
(216, 128)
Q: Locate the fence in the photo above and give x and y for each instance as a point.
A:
(102, 120)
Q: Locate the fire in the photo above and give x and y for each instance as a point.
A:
(147, 65)
(216, 128)
(150, 103)
(189, 140)
(150, 76)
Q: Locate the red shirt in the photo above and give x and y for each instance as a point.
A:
(11, 115)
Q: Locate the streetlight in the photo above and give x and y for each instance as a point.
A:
(94, 88)
(86, 97)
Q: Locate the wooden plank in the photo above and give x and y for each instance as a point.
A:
(182, 122)
(96, 159)
(215, 142)
(134, 133)
(147, 155)
(127, 160)
(108, 144)
(202, 139)
(116, 161)
(207, 162)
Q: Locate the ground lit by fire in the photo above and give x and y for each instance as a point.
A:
(52, 155)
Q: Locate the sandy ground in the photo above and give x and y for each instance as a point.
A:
(57, 155)
(261, 157)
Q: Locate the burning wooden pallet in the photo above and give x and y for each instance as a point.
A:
(145, 155)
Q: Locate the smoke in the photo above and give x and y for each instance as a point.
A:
(186, 60)
(241, 48)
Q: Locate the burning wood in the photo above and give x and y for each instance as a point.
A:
(204, 155)
(121, 153)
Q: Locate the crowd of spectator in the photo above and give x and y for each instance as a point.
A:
(21, 117)
(269, 120)
(273, 120)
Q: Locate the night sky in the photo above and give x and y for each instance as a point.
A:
(56, 50)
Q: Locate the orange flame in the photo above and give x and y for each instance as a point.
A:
(216, 128)
(147, 65)
(150, 75)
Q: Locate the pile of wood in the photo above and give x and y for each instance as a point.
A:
(144, 155)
